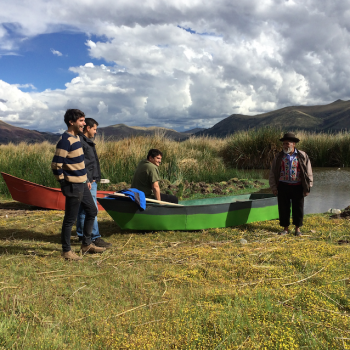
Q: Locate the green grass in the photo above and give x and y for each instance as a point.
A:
(174, 290)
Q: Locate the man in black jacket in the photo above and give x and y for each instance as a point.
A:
(92, 166)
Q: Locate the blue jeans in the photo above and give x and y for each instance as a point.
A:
(81, 216)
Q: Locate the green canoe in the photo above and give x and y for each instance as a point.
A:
(196, 214)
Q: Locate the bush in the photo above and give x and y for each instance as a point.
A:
(252, 149)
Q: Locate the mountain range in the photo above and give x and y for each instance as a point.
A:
(121, 131)
(14, 134)
(331, 117)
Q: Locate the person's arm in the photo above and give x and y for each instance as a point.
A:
(156, 190)
(87, 161)
(309, 173)
(309, 170)
(59, 158)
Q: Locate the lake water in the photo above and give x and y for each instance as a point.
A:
(331, 189)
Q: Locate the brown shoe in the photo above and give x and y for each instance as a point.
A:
(70, 256)
(92, 249)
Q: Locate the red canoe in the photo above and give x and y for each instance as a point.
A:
(40, 196)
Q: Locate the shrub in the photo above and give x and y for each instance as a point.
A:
(252, 149)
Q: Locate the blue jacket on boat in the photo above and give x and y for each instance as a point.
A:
(137, 196)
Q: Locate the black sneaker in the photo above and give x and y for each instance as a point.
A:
(99, 242)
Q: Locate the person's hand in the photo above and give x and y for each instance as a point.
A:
(275, 192)
(306, 194)
(89, 186)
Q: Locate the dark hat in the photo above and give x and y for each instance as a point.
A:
(290, 136)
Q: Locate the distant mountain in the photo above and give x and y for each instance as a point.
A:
(193, 131)
(332, 117)
(122, 131)
(14, 134)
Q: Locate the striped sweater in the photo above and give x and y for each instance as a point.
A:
(68, 161)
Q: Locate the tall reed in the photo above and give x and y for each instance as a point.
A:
(31, 162)
(252, 149)
(195, 159)
(327, 149)
(256, 148)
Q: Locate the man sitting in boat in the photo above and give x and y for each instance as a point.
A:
(146, 177)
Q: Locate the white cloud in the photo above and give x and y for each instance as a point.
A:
(56, 53)
(102, 108)
(25, 86)
(241, 57)
(20, 107)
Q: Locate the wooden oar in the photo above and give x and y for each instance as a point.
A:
(147, 199)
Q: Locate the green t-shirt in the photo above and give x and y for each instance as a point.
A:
(145, 175)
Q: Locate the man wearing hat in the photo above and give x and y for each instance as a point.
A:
(291, 180)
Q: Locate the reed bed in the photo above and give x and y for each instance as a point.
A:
(202, 159)
(256, 148)
(31, 162)
(174, 290)
(195, 159)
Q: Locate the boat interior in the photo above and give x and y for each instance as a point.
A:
(228, 199)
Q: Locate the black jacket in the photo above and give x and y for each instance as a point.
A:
(92, 163)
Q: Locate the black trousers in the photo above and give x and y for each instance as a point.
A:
(290, 195)
(169, 198)
(77, 194)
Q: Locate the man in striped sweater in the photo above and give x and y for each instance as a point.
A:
(69, 169)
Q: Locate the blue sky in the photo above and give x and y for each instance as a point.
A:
(170, 63)
(36, 64)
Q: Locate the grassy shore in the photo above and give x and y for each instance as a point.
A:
(234, 288)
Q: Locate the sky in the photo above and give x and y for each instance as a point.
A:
(177, 64)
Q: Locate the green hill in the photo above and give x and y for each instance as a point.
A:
(332, 117)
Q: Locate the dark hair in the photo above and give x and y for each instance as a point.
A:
(154, 152)
(73, 115)
(90, 122)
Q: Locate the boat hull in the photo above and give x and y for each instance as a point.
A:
(213, 213)
(37, 195)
